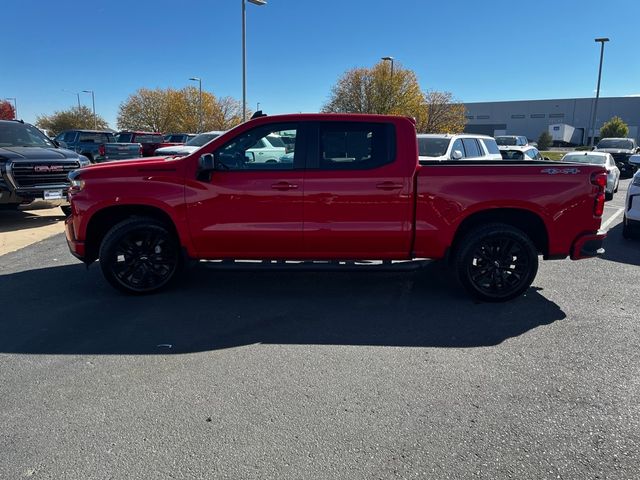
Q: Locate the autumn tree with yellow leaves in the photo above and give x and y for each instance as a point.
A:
(171, 110)
(383, 91)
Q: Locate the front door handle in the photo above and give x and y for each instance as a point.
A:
(282, 186)
(389, 186)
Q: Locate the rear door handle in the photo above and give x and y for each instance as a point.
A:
(284, 186)
(389, 186)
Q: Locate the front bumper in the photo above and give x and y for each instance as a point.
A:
(632, 203)
(76, 247)
(588, 245)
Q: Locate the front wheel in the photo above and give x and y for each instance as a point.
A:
(496, 263)
(140, 255)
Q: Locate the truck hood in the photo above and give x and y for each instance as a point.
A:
(123, 167)
(37, 153)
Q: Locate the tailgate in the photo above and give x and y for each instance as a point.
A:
(561, 195)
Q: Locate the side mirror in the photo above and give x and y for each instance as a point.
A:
(206, 163)
(456, 155)
(546, 158)
(250, 157)
(593, 148)
(634, 159)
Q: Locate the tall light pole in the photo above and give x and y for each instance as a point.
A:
(602, 41)
(77, 94)
(15, 106)
(260, 3)
(93, 101)
(199, 80)
(389, 59)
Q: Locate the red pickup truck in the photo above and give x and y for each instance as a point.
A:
(352, 189)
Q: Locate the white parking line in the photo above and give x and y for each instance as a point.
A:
(610, 220)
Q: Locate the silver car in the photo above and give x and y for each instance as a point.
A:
(598, 158)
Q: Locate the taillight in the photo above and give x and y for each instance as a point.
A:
(102, 151)
(600, 180)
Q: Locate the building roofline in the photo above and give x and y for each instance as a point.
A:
(552, 100)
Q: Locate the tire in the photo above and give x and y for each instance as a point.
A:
(66, 209)
(140, 255)
(496, 262)
(10, 206)
(608, 196)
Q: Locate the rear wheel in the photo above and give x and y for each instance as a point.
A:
(496, 263)
(608, 196)
(140, 255)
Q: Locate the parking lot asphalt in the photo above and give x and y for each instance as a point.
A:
(254, 375)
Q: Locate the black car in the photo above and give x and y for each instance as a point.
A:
(621, 149)
(33, 167)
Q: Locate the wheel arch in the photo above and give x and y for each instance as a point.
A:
(526, 220)
(103, 220)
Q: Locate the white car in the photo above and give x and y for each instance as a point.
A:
(189, 147)
(268, 149)
(599, 158)
(515, 152)
(631, 220)
(436, 146)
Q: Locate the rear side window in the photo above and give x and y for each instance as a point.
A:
(356, 145)
(124, 137)
(492, 146)
(471, 148)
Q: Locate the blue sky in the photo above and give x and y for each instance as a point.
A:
(296, 49)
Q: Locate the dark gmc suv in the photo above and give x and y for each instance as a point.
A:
(33, 167)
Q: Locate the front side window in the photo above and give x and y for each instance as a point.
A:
(248, 152)
(457, 145)
(69, 137)
(356, 145)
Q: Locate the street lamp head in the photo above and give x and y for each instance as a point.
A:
(387, 58)
(87, 91)
(602, 39)
(195, 79)
(260, 3)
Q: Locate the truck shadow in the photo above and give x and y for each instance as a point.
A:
(617, 249)
(11, 221)
(67, 310)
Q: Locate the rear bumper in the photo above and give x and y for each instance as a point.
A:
(75, 246)
(589, 245)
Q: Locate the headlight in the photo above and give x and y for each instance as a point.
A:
(77, 184)
(636, 180)
(84, 161)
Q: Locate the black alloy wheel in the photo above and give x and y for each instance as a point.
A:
(140, 255)
(497, 262)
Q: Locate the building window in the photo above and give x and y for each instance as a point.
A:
(556, 115)
(537, 115)
(483, 117)
(518, 116)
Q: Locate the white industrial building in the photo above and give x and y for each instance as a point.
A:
(568, 119)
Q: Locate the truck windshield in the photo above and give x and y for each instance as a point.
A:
(616, 143)
(200, 140)
(21, 135)
(432, 147)
(585, 158)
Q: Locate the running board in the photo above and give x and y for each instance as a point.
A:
(317, 265)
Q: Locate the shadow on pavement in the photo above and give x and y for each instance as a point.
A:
(68, 310)
(617, 249)
(11, 221)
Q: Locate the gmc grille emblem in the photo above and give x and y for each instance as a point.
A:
(48, 168)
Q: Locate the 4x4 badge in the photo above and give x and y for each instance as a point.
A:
(556, 171)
